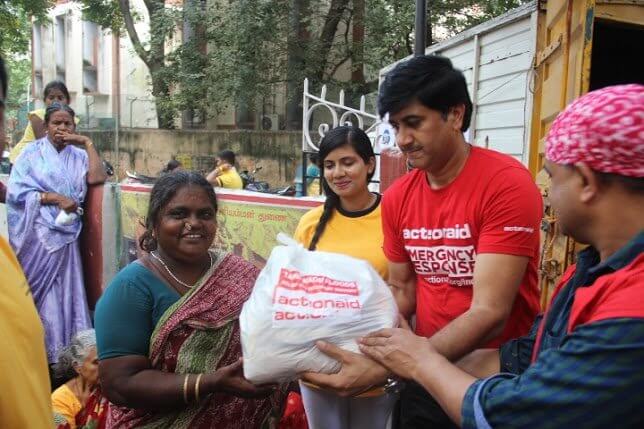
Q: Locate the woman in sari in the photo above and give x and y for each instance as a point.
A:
(46, 188)
(78, 404)
(167, 325)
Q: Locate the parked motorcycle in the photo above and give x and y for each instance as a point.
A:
(252, 184)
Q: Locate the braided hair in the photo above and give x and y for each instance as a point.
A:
(165, 188)
(335, 138)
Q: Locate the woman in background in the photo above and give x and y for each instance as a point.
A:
(55, 92)
(46, 189)
(78, 403)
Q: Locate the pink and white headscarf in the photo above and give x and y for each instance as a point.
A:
(603, 129)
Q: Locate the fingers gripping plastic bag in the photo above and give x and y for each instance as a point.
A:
(301, 297)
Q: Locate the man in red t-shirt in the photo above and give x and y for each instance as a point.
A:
(461, 231)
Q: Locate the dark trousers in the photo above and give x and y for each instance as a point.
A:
(418, 410)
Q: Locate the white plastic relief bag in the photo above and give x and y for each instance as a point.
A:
(301, 297)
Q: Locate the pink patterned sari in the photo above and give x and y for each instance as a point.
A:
(199, 334)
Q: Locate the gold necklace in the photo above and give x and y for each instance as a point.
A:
(176, 279)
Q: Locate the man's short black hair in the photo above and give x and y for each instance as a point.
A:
(228, 156)
(428, 79)
(4, 80)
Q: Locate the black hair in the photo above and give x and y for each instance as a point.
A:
(314, 157)
(428, 79)
(59, 85)
(165, 188)
(228, 156)
(633, 185)
(4, 79)
(170, 166)
(335, 138)
(56, 107)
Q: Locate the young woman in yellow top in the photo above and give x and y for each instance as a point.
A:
(55, 92)
(348, 223)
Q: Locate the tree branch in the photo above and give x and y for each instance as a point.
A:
(327, 35)
(338, 65)
(131, 31)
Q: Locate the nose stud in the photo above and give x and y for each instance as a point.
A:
(188, 226)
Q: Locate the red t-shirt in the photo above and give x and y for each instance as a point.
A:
(611, 296)
(493, 206)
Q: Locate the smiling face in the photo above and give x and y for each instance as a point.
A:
(189, 206)
(346, 172)
(426, 136)
(55, 95)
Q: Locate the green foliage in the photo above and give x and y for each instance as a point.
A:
(240, 49)
(105, 13)
(15, 23)
(19, 68)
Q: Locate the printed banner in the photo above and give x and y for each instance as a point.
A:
(247, 224)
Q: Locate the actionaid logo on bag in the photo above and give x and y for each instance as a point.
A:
(304, 299)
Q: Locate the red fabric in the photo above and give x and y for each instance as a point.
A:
(94, 413)
(565, 278)
(604, 129)
(294, 416)
(493, 206)
(616, 295)
(612, 296)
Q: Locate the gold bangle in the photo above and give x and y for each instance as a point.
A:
(89, 143)
(197, 384)
(185, 388)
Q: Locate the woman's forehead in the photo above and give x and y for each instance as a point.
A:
(60, 114)
(189, 194)
(55, 92)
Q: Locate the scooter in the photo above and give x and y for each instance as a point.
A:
(251, 184)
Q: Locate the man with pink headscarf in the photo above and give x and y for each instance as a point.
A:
(581, 364)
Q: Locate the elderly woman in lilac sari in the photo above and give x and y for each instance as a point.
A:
(46, 189)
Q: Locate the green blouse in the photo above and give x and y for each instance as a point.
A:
(129, 310)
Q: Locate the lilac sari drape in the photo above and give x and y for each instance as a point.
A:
(49, 253)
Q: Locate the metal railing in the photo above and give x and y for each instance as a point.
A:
(341, 114)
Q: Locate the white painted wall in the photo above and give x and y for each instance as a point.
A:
(506, 48)
(137, 105)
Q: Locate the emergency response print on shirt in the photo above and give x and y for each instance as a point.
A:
(438, 262)
(492, 207)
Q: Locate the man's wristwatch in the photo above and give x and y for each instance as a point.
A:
(394, 385)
